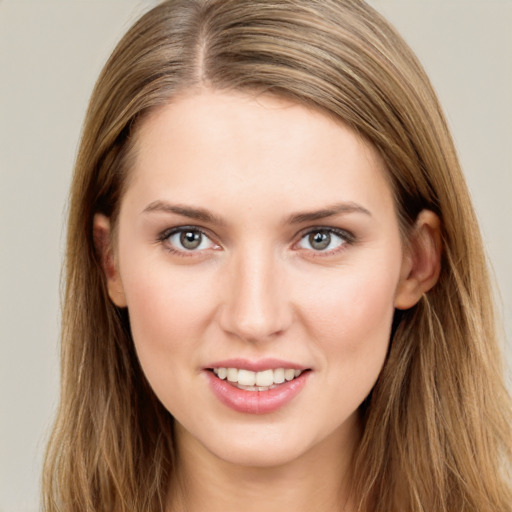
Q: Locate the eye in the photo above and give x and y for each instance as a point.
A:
(324, 240)
(187, 239)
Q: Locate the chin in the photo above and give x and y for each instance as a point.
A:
(259, 453)
(263, 443)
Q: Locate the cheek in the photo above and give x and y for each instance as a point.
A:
(167, 309)
(352, 306)
(350, 322)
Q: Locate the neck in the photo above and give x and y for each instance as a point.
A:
(317, 480)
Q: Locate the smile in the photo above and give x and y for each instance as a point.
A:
(257, 389)
(256, 381)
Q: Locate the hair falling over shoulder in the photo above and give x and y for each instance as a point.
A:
(437, 427)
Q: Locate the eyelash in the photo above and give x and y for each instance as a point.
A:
(163, 238)
(346, 238)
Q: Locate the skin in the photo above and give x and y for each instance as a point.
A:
(256, 288)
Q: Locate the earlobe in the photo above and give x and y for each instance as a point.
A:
(421, 263)
(102, 236)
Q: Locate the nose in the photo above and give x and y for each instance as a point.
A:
(256, 306)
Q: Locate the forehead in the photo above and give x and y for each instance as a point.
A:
(214, 146)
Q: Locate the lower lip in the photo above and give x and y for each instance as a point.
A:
(256, 402)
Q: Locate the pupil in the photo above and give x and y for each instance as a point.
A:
(190, 239)
(319, 240)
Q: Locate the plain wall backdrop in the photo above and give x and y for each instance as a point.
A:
(51, 52)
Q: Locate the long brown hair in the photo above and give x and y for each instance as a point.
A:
(437, 426)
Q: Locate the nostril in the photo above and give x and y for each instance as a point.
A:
(259, 327)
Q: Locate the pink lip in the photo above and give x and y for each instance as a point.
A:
(255, 402)
(256, 366)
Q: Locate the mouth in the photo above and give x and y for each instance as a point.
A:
(263, 380)
(256, 386)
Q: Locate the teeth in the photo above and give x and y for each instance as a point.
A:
(246, 378)
(289, 374)
(279, 375)
(256, 381)
(232, 374)
(265, 378)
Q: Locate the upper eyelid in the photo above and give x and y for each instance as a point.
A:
(343, 233)
(166, 233)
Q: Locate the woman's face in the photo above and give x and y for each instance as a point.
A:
(257, 239)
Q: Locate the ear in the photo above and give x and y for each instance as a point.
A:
(102, 235)
(421, 264)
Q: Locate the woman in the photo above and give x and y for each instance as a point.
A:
(276, 290)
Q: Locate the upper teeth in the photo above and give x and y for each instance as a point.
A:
(265, 378)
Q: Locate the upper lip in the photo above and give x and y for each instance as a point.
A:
(256, 365)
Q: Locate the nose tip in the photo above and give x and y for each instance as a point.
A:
(253, 326)
(256, 306)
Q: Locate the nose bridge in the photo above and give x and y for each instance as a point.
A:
(256, 306)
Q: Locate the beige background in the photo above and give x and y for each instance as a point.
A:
(50, 54)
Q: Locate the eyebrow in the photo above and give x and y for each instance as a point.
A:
(330, 211)
(204, 215)
(186, 211)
